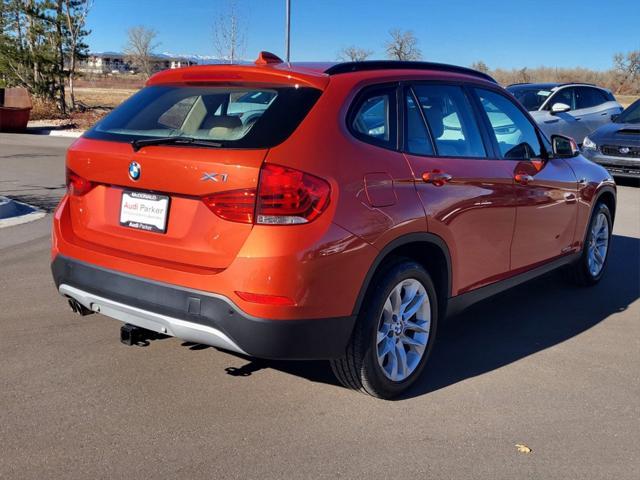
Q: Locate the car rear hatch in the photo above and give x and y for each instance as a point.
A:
(153, 202)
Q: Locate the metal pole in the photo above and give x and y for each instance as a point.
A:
(287, 33)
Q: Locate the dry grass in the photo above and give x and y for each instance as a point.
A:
(626, 100)
(102, 97)
(45, 110)
(113, 81)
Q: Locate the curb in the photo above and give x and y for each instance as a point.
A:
(13, 212)
(55, 133)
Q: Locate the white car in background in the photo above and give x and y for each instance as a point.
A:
(570, 109)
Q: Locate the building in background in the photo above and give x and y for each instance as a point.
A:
(101, 63)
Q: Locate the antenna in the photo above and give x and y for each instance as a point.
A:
(287, 32)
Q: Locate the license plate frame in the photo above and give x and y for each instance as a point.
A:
(140, 213)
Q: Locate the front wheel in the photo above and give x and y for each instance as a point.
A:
(588, 270)
(394, 334)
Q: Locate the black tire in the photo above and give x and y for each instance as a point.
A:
(359, 369)
(579, 272)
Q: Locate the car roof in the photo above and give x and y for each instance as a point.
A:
(377, 65)
(550, 85)
(270, 68)
(528, 85)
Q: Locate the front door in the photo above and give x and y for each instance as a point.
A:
(569, 123)
(546, 188)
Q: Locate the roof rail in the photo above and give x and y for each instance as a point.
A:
(518, 83)
(349, 67)
(579, 83)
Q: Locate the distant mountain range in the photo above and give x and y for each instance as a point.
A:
(199, 59)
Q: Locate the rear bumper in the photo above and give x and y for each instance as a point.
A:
(617, 166)
(198, 316)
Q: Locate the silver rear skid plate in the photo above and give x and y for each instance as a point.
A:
(189, 331)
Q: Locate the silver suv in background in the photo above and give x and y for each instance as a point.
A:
(570, 109)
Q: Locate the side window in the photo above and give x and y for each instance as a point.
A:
(417, 137)
(587, 97)
(451, 121)
(516, 136)
(565, 96)
(375, 118)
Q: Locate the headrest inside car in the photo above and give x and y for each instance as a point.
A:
(222, 121)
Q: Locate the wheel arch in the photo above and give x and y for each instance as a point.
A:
(607, 195)
(429, 250)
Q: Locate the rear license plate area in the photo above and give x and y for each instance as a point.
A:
(144, 211)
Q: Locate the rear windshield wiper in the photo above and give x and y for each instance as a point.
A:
(140, 143)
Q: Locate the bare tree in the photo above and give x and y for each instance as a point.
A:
(480, 66)
(402, 45)
(354, 54)
(523, 76)
(229, 39)
(628, 67)
(139, 49)
(75, 13)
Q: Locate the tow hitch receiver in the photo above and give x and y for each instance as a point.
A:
(132, 335)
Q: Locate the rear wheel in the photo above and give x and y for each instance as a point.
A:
(588, 270)
(394, 333)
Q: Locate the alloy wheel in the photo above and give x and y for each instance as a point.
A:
(598, 244)
(403, 330)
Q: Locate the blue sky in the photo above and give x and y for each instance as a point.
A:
(506, 34)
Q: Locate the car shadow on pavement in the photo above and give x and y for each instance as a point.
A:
(529, 318)
(502, 330)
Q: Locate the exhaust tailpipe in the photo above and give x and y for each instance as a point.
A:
(78, 308)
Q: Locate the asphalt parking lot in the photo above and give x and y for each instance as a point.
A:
(547, 365)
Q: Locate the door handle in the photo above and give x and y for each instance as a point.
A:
(436, 177)
(570, 198)
(523, 178)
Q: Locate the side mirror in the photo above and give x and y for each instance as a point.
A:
(559, 108)
(564, 147)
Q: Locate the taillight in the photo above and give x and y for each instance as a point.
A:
(289, 196)
(76, 185)
(234, 205)
(285, 196)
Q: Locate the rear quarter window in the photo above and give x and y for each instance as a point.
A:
(373, 117)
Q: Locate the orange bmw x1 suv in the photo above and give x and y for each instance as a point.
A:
(308, 211)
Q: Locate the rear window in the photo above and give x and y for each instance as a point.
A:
(236, 117)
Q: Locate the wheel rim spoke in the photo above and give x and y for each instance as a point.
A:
(414, 305)
(403, 367)
(423, 326)
(386, 347)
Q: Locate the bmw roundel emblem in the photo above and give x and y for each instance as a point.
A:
(134, 170)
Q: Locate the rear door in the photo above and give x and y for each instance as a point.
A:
(547, 197)
(467, 193)
(595, 108)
